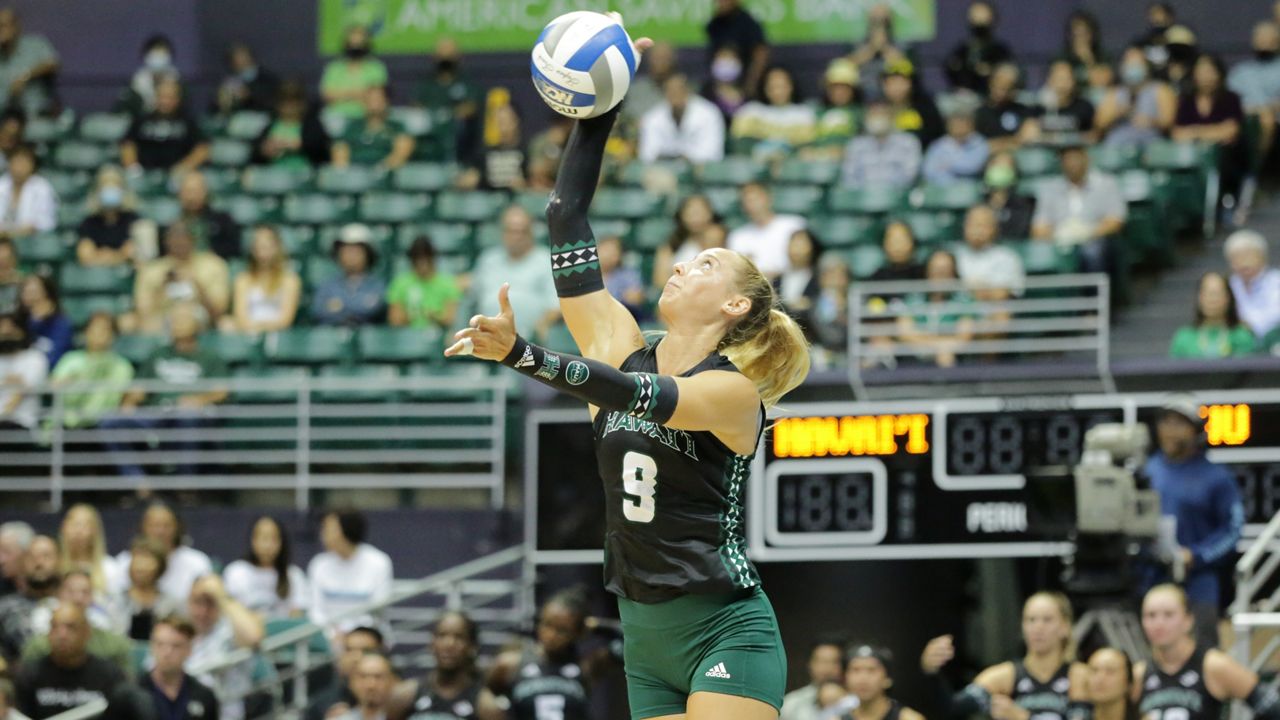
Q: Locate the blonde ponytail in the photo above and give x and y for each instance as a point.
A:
(766, 345)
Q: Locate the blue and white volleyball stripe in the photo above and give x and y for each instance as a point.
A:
(582, 63)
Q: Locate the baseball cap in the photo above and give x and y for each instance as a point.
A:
(1185, 407)
(842, 71)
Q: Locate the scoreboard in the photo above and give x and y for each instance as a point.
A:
(911, 479)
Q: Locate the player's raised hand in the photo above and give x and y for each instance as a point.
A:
(488, 337)
(938, 652)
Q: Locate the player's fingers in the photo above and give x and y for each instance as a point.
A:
(504, 300)
(643, 44)
(467, 332)
(475, 320)
(458, 347)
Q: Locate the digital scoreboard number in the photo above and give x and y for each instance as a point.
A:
(955, 478)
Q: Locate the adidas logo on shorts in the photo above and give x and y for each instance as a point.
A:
(719, 671)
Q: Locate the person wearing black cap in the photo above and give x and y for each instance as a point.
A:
(1083, 208)
(869, 676)
(1204, 500)
(354, 297)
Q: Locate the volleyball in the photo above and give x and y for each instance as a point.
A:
(583, 63)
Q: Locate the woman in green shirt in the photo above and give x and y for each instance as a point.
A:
(345, 79)
(1217, 331)
(422, 296)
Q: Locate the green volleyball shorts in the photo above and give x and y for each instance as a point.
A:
(726, 644)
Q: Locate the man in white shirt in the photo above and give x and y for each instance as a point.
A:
(1255, 286)
(826, 664)
(1083, 208)
(684, 125)
(766, 235)
(992, 272)
(22, 368)
(348, 575)
(184, 564)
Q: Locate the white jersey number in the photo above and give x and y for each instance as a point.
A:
(549, 707)
(639, 478)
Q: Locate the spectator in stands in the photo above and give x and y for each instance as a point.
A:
(646, 91)
(1141, 108)
(144, 603)
(765, 237)
(10, 276)
(620, 278)
(173, 693)
(376, 139)
(157, 66)
(265, 580)
(1061, 111)
(877, 50)
(346, 79)
(1083, 208)
(1014, 209)
(1154, 40)
(1183, 53)
(826, 664)
(9, 701)
(213, 230)
(449, 88)
(991, 271)
(371, 683)
(500, 165)
(1002, 119)
(28, 203)
(247, 85)
(22, 369)
(1082, 46)
(545, 150)
(183, 563)
(698, 228)
(350, 573)
(84, 548)
(76, 588)
(1257, 82)
(106, 234)
(166, 138)
(267, 291)
(97, 364)
(1254, 284)
(840, 113)
(338, 698)
(13, 128)
(69, 675)
(798, 286)
(1204, 501)
(724, 87)
(934, 327)
(829, 317)
(182, 363)
(1216, 331)
(899, 245)
(422, 296)
(15, 537)
(913, 110)
(776, 124)
(683, 125)
(222, 625)
(1212, 114)
(295, 138)
(959, 155)
(28, 68)
(733, 28)
(526, 266)
(181, 278)
(356, 295)
(51, 331)
(971, 63)
(37, 583)
(881, 156)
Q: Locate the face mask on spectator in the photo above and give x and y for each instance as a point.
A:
(999, 177)
(981, 31)
(726, 69)
(355, 52)
(1265, 55)
(158, 59)
(111, 196)
(248, 74)
(879, 125)
(446, 67)
(8, 346)
(1133, 73)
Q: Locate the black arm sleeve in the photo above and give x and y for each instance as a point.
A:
(575, 266)
(644, 395)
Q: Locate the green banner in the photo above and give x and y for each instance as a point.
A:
(413, 26)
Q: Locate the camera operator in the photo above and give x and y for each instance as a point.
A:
(1204, 500)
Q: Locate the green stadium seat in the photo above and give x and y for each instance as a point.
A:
(1041, 257)
(1036, 161)
(317, 209)
(318, 268)
(42, 130)
(81, 280)
(268, 180)
(310, 346)
(100, 127)
(533, 201)
(875, 200)
(247, 125)
(625, 204)
(383, 343)
(415, 121)
(79, 308)
(956, 196)
(652, 233)
(560, 339)
(299, 241)
(77, 155)
(620, 229)
(44, 249)
(151, 183)
(802, 200)
(392, 207)
(1170, 155)
(844, 231)
(932, 228)
(349, 180)
(235, 349)
(284, 375)
(226, 152)
(448, 238)
(473, 207)
(71, 186)
(865, 260)
(724, 200)
(137, 349)
(163, 210)
(423, 177)
(385, 374)
(800, 171)
(635, 173)
(1115, 158)
(733, 170)
(250, 209)
(71, 215)
(460, 368)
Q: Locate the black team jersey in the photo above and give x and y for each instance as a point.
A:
(1044, 700)
(1180, 695)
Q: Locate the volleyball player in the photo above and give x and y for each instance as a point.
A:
(1185, 680)
(676, 423)
(1110, 685)
(869, 676)
(546, 679)
(1043, 685)
(455, 689)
